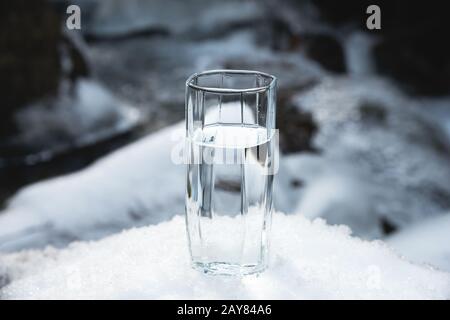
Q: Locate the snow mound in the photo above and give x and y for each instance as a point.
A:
(309, 260)
(425, 242)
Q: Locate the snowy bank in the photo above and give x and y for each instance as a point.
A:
(309, 260)
(130, 187)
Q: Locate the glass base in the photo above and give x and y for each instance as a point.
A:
(228, 269)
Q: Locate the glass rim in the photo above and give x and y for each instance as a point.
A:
(270, 85)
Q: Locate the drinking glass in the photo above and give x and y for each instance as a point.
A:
(231, 154)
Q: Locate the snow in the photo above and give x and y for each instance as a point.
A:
(356, 180)
(140, 184)
(127, 188)
(381, 157)
(333, 190)
(111, 18)
(390, 165)
(309, 259)
(425, 242)
(79, 115)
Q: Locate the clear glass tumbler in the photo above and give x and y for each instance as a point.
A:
(232, 151)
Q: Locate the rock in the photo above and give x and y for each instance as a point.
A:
(380, 154)
(420, 65)
(4, 280)
(115, 20)
(410, 46)
(339, 14)
(296, 127)
(372, 113)
(76, 57)
(297, 130)
(326, 50)
(159, 87)
(296, 26)
(31, 66)
(411, 50)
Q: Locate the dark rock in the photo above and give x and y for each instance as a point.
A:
(323, 48)
(326, 50)
(439, 196)
(30, 60)
(412, 49)
(340, 13)
(420, 65)
(282, 37)
(296, 127)
(78, 61)
(412, 46)
(4, 280)
(387, 227)
(372, 113)
(141, 33)
(296, 183)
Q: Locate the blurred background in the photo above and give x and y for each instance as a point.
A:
(364, 115)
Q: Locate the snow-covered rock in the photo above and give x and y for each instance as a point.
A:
(368, 172)
(382, 162)
(81, 114)
(309, 260)
(117, 18)
(425, 242)
(86, 115)
(158, 88)
(137, 185)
